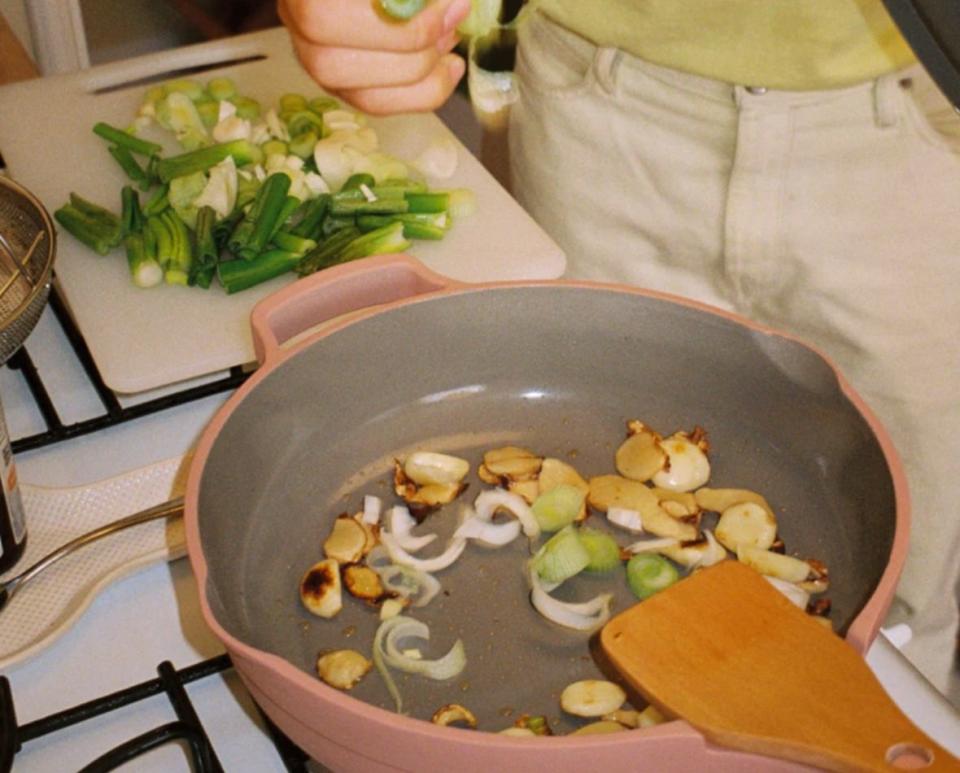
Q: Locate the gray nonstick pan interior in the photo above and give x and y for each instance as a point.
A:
(558, 369)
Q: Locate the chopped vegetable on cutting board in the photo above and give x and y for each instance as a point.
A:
(257, 191)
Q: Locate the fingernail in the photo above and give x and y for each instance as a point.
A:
(456, 12)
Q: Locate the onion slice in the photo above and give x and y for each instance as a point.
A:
(442, 561)
(372, 507)
(491, 500)
(414, 585)
(387, 654)
(583, 616)
(401, 524)
(486, 533)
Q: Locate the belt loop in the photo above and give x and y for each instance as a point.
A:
(885, 100)
(606, 66)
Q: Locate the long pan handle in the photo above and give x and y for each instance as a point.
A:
(336, 291)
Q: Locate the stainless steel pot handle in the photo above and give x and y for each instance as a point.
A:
(336, 291)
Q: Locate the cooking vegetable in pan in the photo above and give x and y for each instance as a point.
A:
(377, 553)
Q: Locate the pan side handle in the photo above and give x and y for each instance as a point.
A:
(306, 303)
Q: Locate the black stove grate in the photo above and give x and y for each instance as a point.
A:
(186, 728)
(113, 411)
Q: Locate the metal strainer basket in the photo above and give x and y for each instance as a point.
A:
(27, 248)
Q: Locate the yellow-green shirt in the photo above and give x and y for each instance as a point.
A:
(781, 44)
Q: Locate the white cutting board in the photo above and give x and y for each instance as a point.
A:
(145, 339)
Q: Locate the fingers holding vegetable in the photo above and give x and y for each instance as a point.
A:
(352, 46)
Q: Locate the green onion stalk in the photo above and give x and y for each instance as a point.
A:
(202, 159)
(96, 227)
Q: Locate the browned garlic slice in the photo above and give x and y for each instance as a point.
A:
(528, 489)
(342, 668)
(608, 491)
(772, 564)
(454, 713)
(371, 533)
(423, 498)
(719, 499)
(363, 582)
(426, 468)
(679, 504)
(640, 456)
(347, 541)
(509, 463)
(704, 552)
(320, 588)
(592, 698)
(687, 466)
(746, 523)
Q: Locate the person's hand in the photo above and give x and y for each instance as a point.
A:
(378, 65)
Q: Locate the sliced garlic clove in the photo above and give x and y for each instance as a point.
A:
(371, 533)
(510, 463)
(608, 491)
(704, 552)
(362, 582)
(528, 489)
(602, 727)
(346, 541)
(719, 499)
(320, 591)
(426, 468)
(641, 455)
(454, 713)
(679, 504)
(592, 698)
(783, 567)
(651, 716)
(342, 669)
(687, 466)
(746, 524)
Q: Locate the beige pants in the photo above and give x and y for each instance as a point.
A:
(832, 215)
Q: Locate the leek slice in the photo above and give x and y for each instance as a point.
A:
(649, 573)
(561, 557)
(558, 507)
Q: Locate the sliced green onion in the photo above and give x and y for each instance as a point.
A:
(603, 550)
(558, 507)
(422, 227)
(145, 271)
(648, 573)
(126, 140)
(561, 557)
(312, 214)
(91, 224)
(427, 201)
(131, 167)
(221, 88)
(243, 152)
(238, 274)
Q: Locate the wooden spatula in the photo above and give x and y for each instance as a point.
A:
(728, 653)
